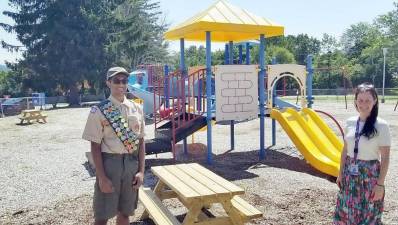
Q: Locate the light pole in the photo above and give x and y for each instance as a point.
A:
(2, 112)
(384, 72)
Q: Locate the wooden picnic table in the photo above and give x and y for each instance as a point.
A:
(197, 188)
(32, 114)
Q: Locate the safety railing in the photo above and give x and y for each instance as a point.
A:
(182, 100)
(162, 98)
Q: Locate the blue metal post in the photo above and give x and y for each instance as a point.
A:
(231, 53)
(231, 62)
(240, 54)
(262, 97)
(310, 71)
(183, 73)
(273, 62)
(208, 97)
(199, 102)
(166, 85)
(247, 53)
(273, 104)
(226, 55)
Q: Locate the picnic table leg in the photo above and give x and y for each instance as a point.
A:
(144, 215)
(207, 206)
(158, 189)
(232, 213)
(204, 214)
(193, 212)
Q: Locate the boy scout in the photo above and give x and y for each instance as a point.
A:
(115, 129)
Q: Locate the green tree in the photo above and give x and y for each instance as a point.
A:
(388, 26)
(67, 41)
(281, 55)
(358, 37)
(10, 83)
(217, 57)
(363, 45)
(329, 43)
(60, 46)
(136, 34)
(301, 45)
(330, 68)
(195, 56)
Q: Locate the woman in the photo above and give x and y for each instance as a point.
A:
(364, 162)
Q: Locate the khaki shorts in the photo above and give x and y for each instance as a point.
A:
(120, 169)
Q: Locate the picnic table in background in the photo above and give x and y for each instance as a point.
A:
(197, 188)
(32, 114)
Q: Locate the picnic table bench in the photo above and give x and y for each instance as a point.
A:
(32, 114)
(197, 188)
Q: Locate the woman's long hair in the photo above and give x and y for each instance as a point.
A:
(369, 130)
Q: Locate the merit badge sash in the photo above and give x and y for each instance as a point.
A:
(119, 124)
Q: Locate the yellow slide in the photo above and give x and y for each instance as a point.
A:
(312, 137)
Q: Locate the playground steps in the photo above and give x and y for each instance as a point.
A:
(165, 133)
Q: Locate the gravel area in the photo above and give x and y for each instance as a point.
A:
(45, 178)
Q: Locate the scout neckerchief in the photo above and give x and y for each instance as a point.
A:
(119, 124)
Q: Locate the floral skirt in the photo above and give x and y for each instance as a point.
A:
(354, 204)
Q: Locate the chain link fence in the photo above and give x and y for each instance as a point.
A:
(339, 94)
(13, 106)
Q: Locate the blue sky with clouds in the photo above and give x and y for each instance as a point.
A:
(313, 17)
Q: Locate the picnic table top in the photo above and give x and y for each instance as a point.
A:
(192, 181)
(31, 110)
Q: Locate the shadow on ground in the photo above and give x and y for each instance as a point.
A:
(235, 165)
(150, 222)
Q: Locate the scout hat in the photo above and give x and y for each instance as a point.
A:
(114, 71)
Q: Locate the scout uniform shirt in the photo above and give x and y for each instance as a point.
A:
(99, 130)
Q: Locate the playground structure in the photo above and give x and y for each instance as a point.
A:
(307, 130)
(184, 102)
(148, 79)
(142, 82)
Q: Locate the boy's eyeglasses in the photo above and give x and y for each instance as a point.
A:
(119, 81)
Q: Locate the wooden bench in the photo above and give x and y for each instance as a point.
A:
(246, 211)
(153, 205)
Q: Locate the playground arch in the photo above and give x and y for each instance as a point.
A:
(276, 72)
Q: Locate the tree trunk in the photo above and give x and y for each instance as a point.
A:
(73, 96)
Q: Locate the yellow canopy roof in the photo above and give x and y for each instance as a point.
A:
(226, 23)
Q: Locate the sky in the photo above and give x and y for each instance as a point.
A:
(312, 17)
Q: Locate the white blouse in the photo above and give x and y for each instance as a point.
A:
(368, 149)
